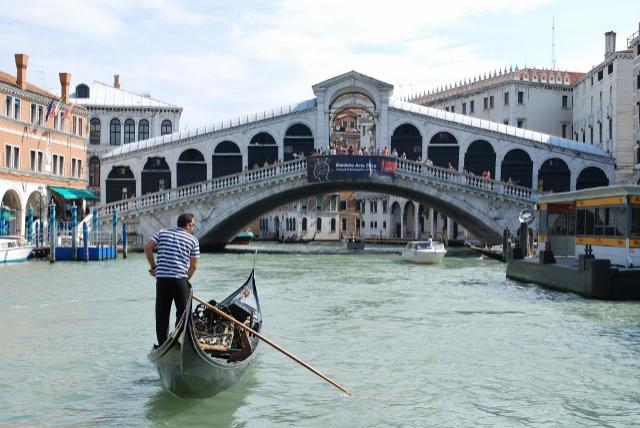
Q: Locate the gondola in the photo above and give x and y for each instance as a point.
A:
(296, 239)
(206, 354)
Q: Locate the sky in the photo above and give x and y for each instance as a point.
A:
(224, 59)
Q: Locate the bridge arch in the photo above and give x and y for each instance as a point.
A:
(226, 159)
(120, 184)
(479, 157)
(262, 148)
(297, 139)
(444, 149)
(554, 175)
(517, 166)
(591, 176)
(191, 167)
(155, 176)
(406, 138)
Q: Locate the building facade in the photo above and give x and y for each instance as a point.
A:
(117, 117)
(603, 108)
(43, 139)
(633, 43)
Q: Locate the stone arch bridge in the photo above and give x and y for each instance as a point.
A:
(224, 205)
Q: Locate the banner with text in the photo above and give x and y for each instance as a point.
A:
(349, 167)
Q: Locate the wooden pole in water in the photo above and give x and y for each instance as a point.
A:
(270, 343)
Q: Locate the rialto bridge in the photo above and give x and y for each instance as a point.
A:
(347, 108)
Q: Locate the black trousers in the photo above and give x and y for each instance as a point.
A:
(169, 290)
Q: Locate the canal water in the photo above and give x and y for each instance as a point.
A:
(455, 345)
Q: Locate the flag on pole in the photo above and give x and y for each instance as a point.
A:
(67, 113)
(51, 110)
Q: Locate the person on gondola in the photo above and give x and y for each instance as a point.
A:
(178, 253)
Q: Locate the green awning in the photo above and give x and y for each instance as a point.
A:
(69, 194)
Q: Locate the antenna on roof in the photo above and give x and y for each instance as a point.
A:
(553, 43)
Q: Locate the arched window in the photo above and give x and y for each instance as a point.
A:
(304, 224)
(129, 131)
(94, 172)
(114, 132)
(319, 224)
(333, 224)
(94, 131)
(166, 127)
(143, 130)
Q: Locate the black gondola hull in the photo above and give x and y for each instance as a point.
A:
(189, 372)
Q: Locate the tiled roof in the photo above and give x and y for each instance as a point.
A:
(103, 95)
(11, 80)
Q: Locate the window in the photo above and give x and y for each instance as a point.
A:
(565, 101)
(453, 109)
(94, 131)
(600, 75)
(591, 134)
(384, 224)
(334, 203)
(506, 98)
(344, 224)
(610, 68)
(471, 106)
(373, 206)
(165, 128)
(600, 133)
(520, 97)
(143, 130)
(564, 130)
(520, 123)
(446, 108)
(41, 115)
(611, 128)
(129, 131)
(343, 205)
(114, 132)
(384, 207)
(485, 103)
(80, 126)
(464, 108)
(333, 224)
(75, 125)
(34, 109)
(16, 109)
(11, 157)
(319, 224)
(8, 104)
(74, 167)
(491, 101)
(318, 203)
(94, 172)
(35, 161)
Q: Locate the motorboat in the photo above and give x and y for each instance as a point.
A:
(427, 252)
(14, 249)
(242, 238)
(354, 243)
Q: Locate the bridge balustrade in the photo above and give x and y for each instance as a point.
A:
(298, 167)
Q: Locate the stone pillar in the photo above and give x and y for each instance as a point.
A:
(449, 228)
(416, 222)
(498, 172)
(433, 216)
(382, 130)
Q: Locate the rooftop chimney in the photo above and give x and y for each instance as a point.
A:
(21, 65)
(116, 81)
(65, 81)
(609, 44)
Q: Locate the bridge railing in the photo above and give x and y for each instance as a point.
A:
(299, 167)
(194, 190)
(469, 180)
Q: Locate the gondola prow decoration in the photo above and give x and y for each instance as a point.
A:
(270, 343)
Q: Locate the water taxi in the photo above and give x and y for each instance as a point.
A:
(14, 249)
(426, 252)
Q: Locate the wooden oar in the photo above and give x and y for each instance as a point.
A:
(270, 343)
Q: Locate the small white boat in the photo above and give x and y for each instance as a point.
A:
(14, 249)
(424, 252)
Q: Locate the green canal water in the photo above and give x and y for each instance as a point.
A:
(455, 345)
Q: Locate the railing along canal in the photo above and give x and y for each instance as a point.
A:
(299, 168)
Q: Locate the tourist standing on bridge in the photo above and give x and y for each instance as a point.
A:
(178, 253)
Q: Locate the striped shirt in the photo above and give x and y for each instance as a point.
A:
(176, 247)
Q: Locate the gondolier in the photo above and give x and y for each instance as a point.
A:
(178, 253)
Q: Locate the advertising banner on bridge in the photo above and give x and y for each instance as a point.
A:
(349, 167)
